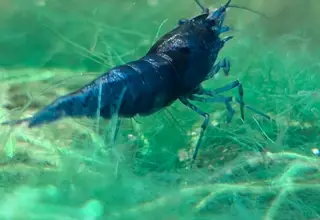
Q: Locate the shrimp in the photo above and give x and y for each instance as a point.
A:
(173, 69)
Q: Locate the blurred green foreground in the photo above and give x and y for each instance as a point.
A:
(249, 170)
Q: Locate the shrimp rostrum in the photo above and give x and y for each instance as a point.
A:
(173, 69)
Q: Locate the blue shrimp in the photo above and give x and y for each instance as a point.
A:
(173, 69)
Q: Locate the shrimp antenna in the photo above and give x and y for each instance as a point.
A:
(248, 9)
(206, 10)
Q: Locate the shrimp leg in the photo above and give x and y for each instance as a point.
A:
(224, 64)
(228, 87)
(204, 124)
(214, 94)
(221, 99)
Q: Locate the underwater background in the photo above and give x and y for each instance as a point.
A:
(251, 170)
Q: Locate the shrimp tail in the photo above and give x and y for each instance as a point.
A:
(76, 105)
(16, 122)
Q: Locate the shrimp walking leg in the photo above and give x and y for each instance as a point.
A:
(204, 124)
(214, 92)
(224, 64)
(218, 99)
(228, 87)
(235, 84)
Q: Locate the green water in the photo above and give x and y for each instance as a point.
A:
(251, 170)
